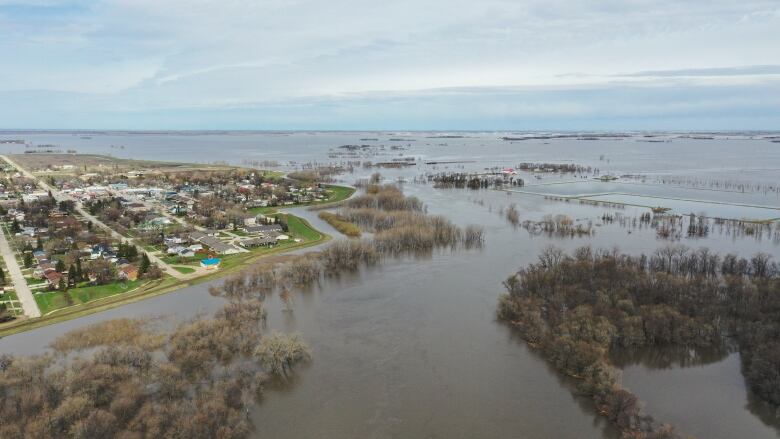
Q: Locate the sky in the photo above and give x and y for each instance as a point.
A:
(390, 64)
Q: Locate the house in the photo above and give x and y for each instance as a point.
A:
(137, 207)
(214, 244)
(53, 278)
(279, 236)
(210, 263)
(173, 240)
(258, 242)
(128, 272)
(268, 228)
(186, 252)
(253, 229)
(159, 221)
(175, 250)
(218, 246)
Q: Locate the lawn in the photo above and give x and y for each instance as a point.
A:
(184, 270)
(12, 302)
(339, 193)
(301, 229)
(49, 301)
(263, 210)
(34, 281)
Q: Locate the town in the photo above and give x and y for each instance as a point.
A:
(73, 234)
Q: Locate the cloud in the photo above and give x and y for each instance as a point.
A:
(143, 57)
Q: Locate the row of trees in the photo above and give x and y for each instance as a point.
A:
(578, 308)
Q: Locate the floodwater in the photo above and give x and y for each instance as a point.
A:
(412, 349)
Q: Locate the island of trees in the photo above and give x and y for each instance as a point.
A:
(577, 309)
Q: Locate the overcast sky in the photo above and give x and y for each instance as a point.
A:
(390, 64)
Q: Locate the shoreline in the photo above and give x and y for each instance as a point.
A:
(148, 290)
(170, 283)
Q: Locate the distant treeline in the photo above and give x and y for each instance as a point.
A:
(473, 181)
(556, 167)
(578, 308)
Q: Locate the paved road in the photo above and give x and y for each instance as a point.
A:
(58, 196)
(20, 284)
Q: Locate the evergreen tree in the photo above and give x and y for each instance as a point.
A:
(15, 228)
(2, 275)
(60, 266)
(145, 263)
(132, 253)
(39, 244)
(28, 260)
(68, 299)
(72, 275)
(79, 272)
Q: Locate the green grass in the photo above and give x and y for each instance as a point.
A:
(301, 229)
(339, 193)
(184, 270)
(49, 301)
(263, 210)
(8, 296)
(273, 174)
(34, 281)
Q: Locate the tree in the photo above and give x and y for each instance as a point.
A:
(130, 252)
(2, 276)
(65, 293)
(28, 259)
(72, 275)
(39, 244)
(60, 266)
(278, 352)
(145, 263)
(15, 228)
(66, 206)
